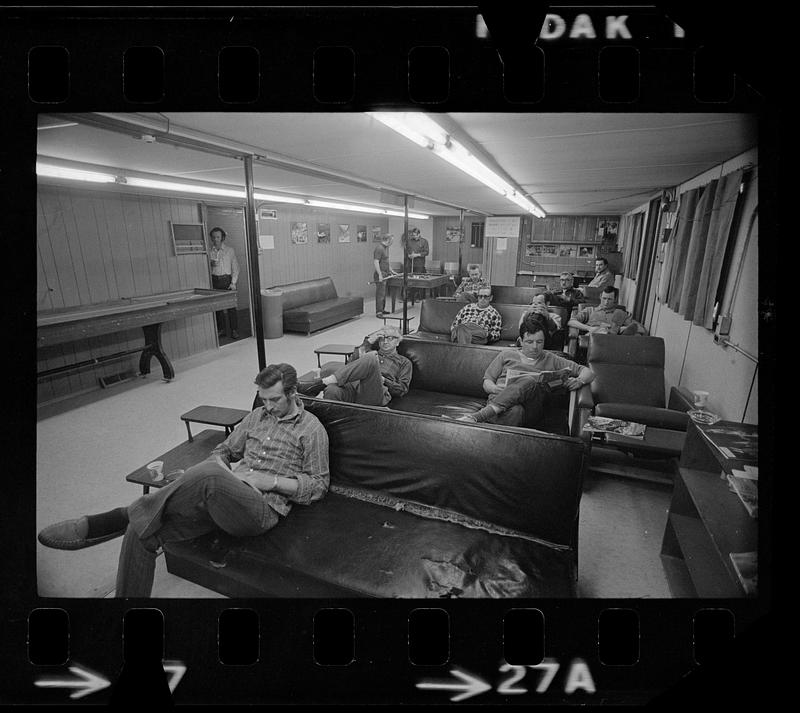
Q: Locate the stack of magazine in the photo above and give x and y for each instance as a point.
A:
(600, 424)
(745, 484)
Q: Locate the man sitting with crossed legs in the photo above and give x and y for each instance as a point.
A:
(372, 379)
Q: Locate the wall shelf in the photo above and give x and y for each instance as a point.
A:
(706, 523)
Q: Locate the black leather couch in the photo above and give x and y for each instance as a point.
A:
(436, 316)
(507, 294)
(419, 506)
(314, 304)
(448, 381)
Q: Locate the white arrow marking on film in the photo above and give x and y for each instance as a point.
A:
(175, 670)
(470, 686)
(89, 682)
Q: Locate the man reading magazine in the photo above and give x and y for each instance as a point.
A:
(519, 381)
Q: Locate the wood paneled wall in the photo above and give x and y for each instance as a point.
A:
(349, 264)
(95, 246)
(448, 252)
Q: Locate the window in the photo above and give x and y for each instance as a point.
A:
(476, 236)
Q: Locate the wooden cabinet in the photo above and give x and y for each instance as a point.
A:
(561, 243)
(706, 522)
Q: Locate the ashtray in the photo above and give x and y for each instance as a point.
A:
(704, 417)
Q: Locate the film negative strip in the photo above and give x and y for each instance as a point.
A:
(306, 645)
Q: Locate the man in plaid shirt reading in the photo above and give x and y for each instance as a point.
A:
(477, 323)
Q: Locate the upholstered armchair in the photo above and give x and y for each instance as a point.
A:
(629, 385)
(577, 342)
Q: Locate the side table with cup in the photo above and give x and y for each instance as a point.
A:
(172, 464)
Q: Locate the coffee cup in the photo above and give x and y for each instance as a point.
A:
(700, 399)
(156, 469)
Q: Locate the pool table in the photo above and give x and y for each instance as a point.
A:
(425, 283)
(67, 324)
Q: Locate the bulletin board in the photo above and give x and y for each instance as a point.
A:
(188, 238)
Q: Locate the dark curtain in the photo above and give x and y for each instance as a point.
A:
(716, 245)
(696, 251)
(632, 245)
(679, 245)
(644, 275)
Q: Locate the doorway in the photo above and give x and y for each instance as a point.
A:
(231, 220)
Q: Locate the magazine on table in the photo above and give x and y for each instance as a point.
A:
(600, 424)
(735, 441)
(551, 379)
(747, 490)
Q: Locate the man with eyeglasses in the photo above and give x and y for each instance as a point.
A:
(376, 376)
(568, 296)
(477, 323)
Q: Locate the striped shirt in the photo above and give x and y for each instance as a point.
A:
(227, 264)
(488, 318)
(294, 446)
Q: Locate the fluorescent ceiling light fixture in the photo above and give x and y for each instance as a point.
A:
(365, 209)
(73, 174)
(51, 171)
(278, 199)
(182, 187)
(425, 132)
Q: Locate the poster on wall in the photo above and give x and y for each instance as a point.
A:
(453, 234)
(567, 251)
(601, 228)
(299, 233)
(376, 233)
(266, 242)
(549, 249)
(361, 233)
(323, 232)
(344, 232)
(587, 251)
(611, 230)
(531, 250)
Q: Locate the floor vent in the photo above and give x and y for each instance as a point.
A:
(114, 379)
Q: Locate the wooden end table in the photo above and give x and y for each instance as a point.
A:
(398, 318)
(651, 458)
(213, 416)
(183, 456)
(344, 350)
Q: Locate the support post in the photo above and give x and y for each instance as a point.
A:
(251, 245)
(460, 242)
(405, 263)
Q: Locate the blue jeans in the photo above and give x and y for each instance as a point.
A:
(205, 498)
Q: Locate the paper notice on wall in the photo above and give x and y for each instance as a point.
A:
(501, 245)
(266, 242)
(502, 226)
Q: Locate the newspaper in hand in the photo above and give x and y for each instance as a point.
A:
(550, 379)
(600, 424)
